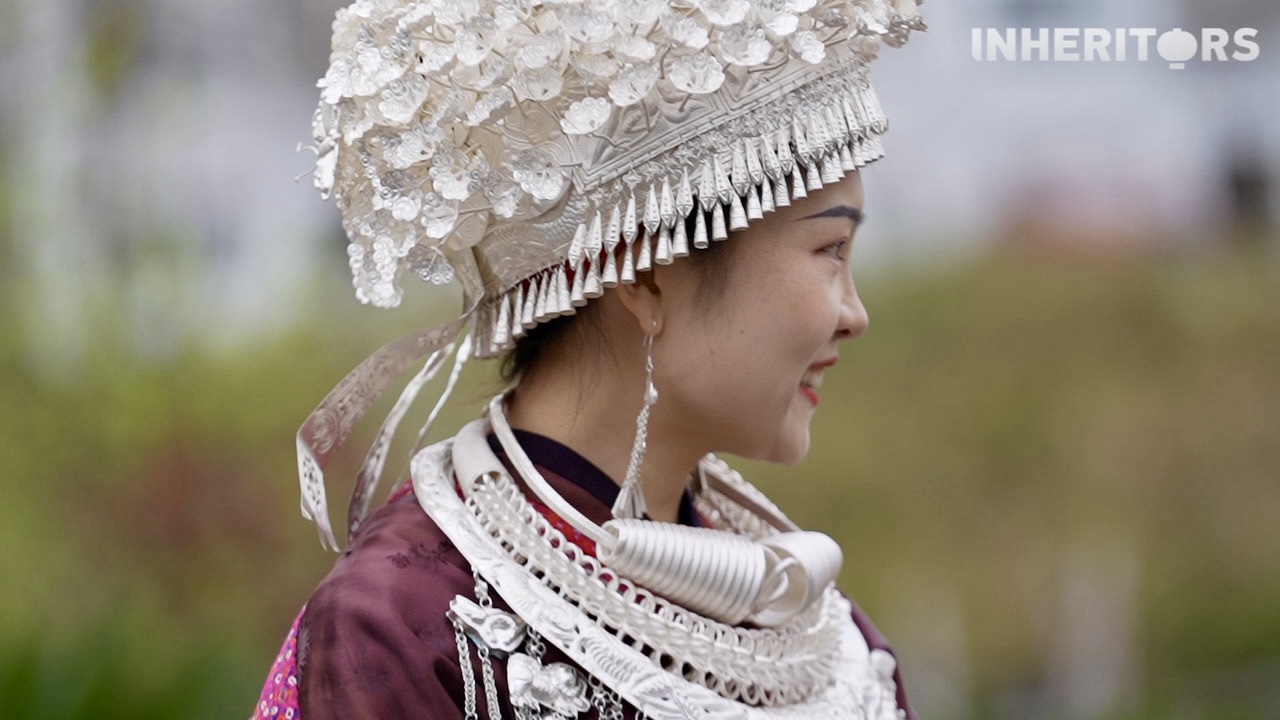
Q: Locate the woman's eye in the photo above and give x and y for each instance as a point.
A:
(836, 250)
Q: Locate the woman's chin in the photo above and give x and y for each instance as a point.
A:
(791, 445)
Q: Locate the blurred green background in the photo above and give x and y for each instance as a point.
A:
(1053, 462)
(1050, 475)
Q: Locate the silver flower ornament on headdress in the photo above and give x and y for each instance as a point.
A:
(548, 114)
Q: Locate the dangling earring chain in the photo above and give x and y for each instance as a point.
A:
(630, 502)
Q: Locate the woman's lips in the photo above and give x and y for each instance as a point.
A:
(810, 393)
(812, 379)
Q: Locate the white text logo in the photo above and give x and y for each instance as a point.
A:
(1176, 47)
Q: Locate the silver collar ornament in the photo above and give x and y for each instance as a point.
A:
(657, 655)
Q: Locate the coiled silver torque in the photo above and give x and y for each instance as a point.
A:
(725, 575)
(711, 572)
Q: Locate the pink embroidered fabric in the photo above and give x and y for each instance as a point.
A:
(279, 700)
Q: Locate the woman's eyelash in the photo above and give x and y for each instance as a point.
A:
(836, 249)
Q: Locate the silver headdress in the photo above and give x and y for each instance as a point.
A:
(539, 152)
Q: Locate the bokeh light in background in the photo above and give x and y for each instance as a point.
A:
(1054, 463)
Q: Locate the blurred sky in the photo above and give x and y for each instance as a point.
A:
(155, 141)
(1107, 148)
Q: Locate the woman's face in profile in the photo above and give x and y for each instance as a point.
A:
(743, 372)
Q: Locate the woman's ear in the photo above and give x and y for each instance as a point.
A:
(643, 300)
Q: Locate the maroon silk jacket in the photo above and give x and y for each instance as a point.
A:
(374, 641)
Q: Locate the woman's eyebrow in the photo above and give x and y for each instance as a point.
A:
(848, 211)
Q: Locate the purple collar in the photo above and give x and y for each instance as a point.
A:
(563, 461)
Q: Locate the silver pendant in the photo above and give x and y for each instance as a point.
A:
(500, 632)
(558, 688)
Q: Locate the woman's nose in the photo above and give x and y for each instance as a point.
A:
(854, 319)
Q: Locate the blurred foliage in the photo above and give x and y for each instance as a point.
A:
(115, 34)
(997, 418)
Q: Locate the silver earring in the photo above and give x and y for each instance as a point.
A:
(630, 502)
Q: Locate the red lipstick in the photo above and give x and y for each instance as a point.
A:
(811, 394)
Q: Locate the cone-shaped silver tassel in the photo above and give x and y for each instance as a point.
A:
(652, 215)
(844, 124)
(684, 196)
(679, 240)
(540, 307)
(517, 328)
(577, 295)
(737, 216)
(785, 160)
(804, 152)
(700, 231)
(554, 282)
(860, 111)
(834, 116)
(662, 255)
(629, 503)
(591, 288)
(772, 167)
(766, 195)
(707, 188)
(780, 197)
(755, 169)
(502, 327)
(577, 248)
(857, 123)
(858, 118)
(667, 205)
(553, 295)
(724, 188)
(738, 169)
(644, 261)
(831, 132)
(814, 175)
(609, 278)
(530, 303)
(819, 133)
(612, 238)
(831, 172)
(753, 203)
(564, 304)
(718, 230)
(613, 233)
(846, 159)
(595, 239)
(517, 311)
(629, 228)
(878, 119)
(797, 183)
(628, 274)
